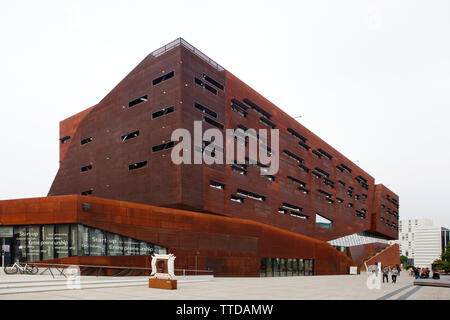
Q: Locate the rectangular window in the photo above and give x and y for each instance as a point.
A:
(239, 168)
(163, 112)
(217, 185)
(86, 193)
(297, 135)
(304, 145)
(342, 183)
(322, 172)
(87, 140)
(292, 156)
(296, 181)
(205, 85)
(86, 168)
(325, 154)
(267, 123)
(239, 107)
(236, 199)
(213, 122)
(129, 136)
(163, 78)
(346, 168)
(303, 190)
(137, 165)
(205, 110)
(251, 195)
(257, 108)
(299, 215)
(304, 168)
(324, 193)
(65, 139)
(163, 146)
(292, 207)
(137, 101)
(212, 81)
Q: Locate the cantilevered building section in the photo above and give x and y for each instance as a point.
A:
(249, 224)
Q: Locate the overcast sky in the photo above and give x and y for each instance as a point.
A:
(372, 78)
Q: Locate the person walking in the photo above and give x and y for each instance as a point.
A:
(399, 269)
(394, 274)
(386, 274)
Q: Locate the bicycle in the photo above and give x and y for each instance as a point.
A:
(16, 267)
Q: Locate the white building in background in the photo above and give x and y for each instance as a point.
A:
(407, 233)
(430, 242)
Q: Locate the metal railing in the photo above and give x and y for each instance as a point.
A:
(187, 45)
(113, 271)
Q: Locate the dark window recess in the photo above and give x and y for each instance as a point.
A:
(360, 214)
(267, 123)
(299, 215)
(240, 168)
(304, 145)
(293, 156)
(217, 185)
(296, 181)
(257, 108)
(328, 182)
(323, 222)
(346, 168)
(205, 85)
(326, 194)
(350, 205)
(137, 101)
(205, 110)
(364, 196)
(236, 198)
(87, 140)
(292, 207)
(163, 78)
(213, 122)
(283, 211)
(305, 191)
(339, 200)
(316, 175)
(163, 112)
(239, 107)
(129, 136)
(340, 168)
(317, 154)
(86, 193)
(362, 179)
(268, 177)
(86, 168)
(163, 146)
(251, 195)
(342, 183)
(304, 168)
(137, 165)
(296, 134)
(65, 139)
(212, 81)
(322, 172)
(325, 154)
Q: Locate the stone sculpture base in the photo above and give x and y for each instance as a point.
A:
(162, 284)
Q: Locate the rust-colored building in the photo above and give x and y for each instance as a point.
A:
(118, 197)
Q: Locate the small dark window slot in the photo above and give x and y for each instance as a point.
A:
(340, 168)
(325, 154)
(257, 108)
(267, 123)
(213, 122)
(162, 78)
(212, 81)
(205, 110)
(304, 168)
(339, 200)
(217, 185)
(363, 179)
(239, 104)
(292, 207)
(86, 193)
(65, 139)
(251, 195)
(322, 172)
(293, 156)
(316, 175)
(296, 181)
(129, 136)
(326, 194)
(317, 154)
(137, 165)
(298, 215)
(163, 146)
(268, 177)
(163, 112)
(236, 199)
(238, 110)
(342, 183)
(304, 145)
(137, 101)
(296, 134)
(346, 168)
(87, 140)
(205, 85)
(283, 211)
(86, 168)
(303, 190)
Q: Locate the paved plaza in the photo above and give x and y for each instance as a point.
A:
(344, 287)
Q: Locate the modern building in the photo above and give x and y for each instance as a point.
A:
(430, 243)
(406, 237)
(118, 195)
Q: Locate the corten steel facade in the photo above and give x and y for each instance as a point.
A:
(120, 149)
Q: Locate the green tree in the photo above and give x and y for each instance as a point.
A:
(444, 262)
(404, 260)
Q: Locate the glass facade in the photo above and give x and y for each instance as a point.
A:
(280, 267)
(52, 241)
